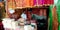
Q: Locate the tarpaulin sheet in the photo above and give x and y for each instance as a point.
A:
(51, 18)
(58, 13)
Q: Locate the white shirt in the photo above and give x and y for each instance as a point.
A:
(24, 16)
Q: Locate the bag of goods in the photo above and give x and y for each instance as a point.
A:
(21, 21)
(27, 27)
(7, 23)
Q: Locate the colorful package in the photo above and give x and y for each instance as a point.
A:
(35, 3)
(31, 2)
(40, 2)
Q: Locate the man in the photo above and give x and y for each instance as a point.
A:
(23, 15)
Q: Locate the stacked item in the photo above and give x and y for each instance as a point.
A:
(33, 24)
(9, 24)
(25, 26)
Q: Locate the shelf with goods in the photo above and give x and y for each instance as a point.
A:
(27, 5)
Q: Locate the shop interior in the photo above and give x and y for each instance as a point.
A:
(31, 14)
(38, 15)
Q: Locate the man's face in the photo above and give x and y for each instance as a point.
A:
(44, 12)
(41, 12)
(29, 15)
